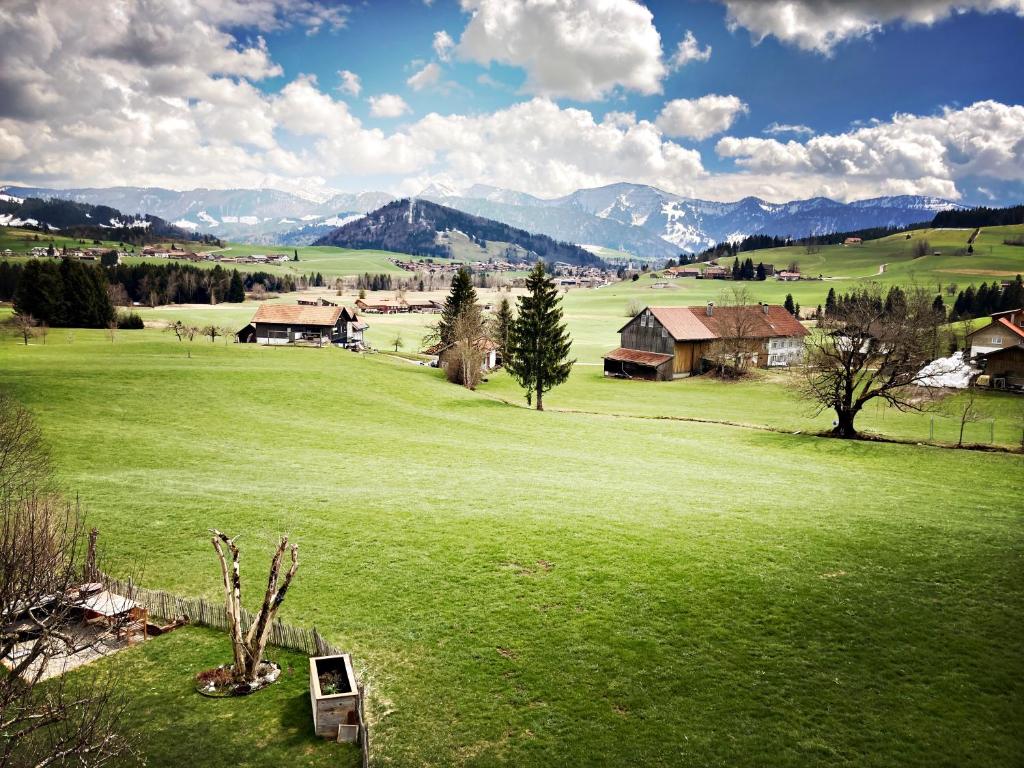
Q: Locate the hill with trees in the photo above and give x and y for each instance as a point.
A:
(413, 225)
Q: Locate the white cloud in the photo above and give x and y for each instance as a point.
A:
(388, 105)
(443, 45)
(700, 118)
(819, 25)
(689, 50)
(579, 49)
(775, 129)
(350, 83)
(925, 154)
(429, 75)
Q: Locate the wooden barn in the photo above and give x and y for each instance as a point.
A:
(662, 343)
(278, 324)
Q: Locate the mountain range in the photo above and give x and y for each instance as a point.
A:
(644, 221)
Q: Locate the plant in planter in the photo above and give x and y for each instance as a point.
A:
(334, 695)
(250, 670)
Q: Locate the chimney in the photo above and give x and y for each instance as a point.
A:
(765, 308)
(711, 309)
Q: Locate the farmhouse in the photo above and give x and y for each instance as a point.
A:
(382, 306)
(491, 357)
(714, 273)
(852, 241)
(788, 276)
(276, 324)
(663, 343)
(1005, 330)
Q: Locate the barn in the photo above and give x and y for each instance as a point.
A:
(277, 324)
(662, 343)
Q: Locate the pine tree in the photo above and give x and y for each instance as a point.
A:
(539, 343)
(503, 326)
(736, 269)
(789, 305)
(760, 274)
(830, 303)
(939, 308)
(461, 295)
(236, 288)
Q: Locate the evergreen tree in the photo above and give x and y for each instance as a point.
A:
(760, 274)
(40, 292)
(736, 269)
(939, 307)
(295, 255)
(830, 303)
(461, 295)
(1013, 295)
(789, 305)
(503, 326)
(236, 288)
(539, 343)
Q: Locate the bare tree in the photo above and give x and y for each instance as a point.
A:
(213, 331)
(44, 329)
(865, 351)
(69, 720)
(398, 342)
(737, 321)
(249, 644)
(112, 330)
(966, 409)
(920, 248)
(465, 355)
(634, 308)
(25, 325)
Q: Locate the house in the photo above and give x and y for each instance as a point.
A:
(1004, 330)
(769, 270)
(277, 324)
(424, 306)
(491, 355)
(714, 273)
(382, 306)
(662, 343)
(852, 241)
(788, 276)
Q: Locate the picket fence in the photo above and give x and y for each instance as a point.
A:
(197, 610)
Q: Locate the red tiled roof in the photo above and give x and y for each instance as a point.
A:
(1005, 321)
(683, 323)
(649, 359)
(293, 314)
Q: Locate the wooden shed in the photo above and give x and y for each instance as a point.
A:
(335, 715)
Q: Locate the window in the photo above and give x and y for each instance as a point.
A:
(996, 339)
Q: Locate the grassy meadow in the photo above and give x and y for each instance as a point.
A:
(610, 582)
(557, 588)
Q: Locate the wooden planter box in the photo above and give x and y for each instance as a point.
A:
(336, 715)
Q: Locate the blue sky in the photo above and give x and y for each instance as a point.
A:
(538, 95)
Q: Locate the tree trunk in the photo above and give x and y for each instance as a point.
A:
(845, 427)
(540, 397)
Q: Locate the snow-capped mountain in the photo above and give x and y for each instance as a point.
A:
(647, 222)
(246, 215)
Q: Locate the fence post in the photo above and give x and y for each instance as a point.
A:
(992, 432)
(931, 429)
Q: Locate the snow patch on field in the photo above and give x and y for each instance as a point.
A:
(12, 199)
(953, 372)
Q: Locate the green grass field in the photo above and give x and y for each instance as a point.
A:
(523, 588)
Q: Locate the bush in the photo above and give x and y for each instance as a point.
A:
(130, 322)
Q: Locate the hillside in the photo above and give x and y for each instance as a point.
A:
(418, 227)
(96, 222)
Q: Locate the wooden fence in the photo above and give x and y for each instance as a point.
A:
(197, 610)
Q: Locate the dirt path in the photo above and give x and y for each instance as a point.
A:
(881, 268)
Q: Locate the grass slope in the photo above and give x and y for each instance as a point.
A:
(553, 589)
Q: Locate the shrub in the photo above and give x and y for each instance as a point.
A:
(130, 322)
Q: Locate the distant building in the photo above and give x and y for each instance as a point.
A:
(662, 343)
(382, 306)
(852, 241)
(279, 324)
(714, 273)
(788, 276)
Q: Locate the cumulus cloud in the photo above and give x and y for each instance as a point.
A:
(443, 45)
(924, 154)
(429, 75)
(350, 83)
(689, 50)
(388, 105)
(579, 49)
(700, 118)
(819, 25)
